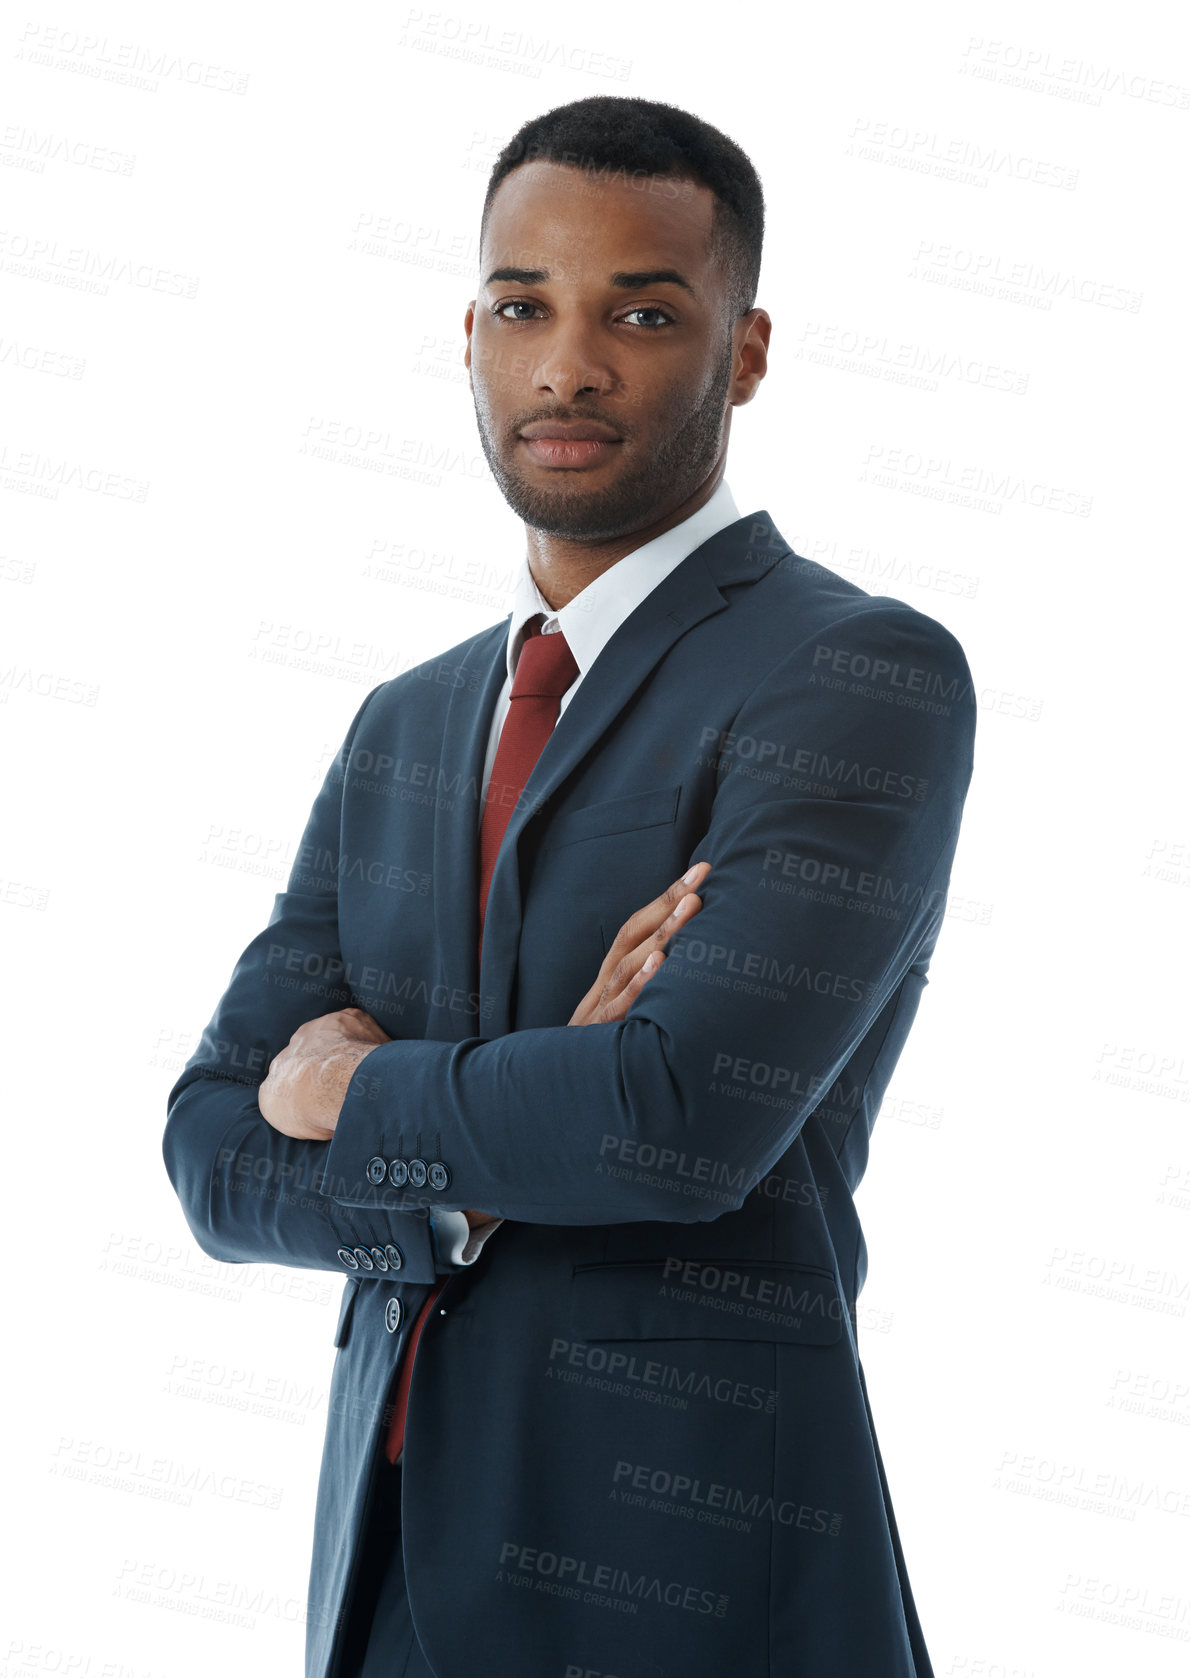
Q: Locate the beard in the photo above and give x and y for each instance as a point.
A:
(651, 485)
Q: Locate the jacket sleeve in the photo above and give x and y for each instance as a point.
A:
(249, 1192)
(834, 823)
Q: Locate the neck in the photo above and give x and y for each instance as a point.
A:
(562, 567)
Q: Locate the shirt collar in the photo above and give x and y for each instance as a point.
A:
(591, 619)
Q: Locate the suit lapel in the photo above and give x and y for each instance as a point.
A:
(472, 699)
(740, 553)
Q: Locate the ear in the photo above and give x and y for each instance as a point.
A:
(750, 340)
(468, 323)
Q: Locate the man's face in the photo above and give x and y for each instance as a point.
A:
(599, 302)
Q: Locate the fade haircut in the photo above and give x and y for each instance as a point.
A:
(635, 138)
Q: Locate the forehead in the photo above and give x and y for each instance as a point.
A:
(569, 220)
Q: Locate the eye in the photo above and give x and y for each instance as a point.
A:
(641, 309)
(514, 303)
(648, 309)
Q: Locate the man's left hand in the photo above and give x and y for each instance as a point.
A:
(307, 1082)
(303, 1094)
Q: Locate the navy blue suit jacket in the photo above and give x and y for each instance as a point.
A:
(638, 1439)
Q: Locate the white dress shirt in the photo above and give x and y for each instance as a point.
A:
(588, 622)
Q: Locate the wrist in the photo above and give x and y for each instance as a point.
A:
(335, 1075)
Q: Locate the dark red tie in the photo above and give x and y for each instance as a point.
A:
(544, 671)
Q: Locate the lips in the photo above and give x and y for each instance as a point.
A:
(565, 451)
(571, 431)
(569, 443)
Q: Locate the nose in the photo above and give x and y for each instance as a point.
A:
(572, 365)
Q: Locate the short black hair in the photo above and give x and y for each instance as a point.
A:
(606, 134)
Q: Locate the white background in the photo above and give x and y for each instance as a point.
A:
(973, 270)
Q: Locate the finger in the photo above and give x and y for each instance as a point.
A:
(684, 910)
(617, 1006)
(636, 939)
(646, 921)
(630, 944)
(629, 965)
(350, 1025)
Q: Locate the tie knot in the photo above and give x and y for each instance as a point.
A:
(545, 667)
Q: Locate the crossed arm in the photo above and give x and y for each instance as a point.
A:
(303, 1093)
(789, 973)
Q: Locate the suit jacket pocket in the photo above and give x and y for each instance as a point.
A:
(657, 807)
(698, 1299)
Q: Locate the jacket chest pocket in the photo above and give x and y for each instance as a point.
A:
(625, 816)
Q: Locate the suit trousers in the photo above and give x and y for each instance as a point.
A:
(380, 1641)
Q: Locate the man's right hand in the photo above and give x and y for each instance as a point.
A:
(638, 950)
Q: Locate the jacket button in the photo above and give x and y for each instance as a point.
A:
(392, 1315)
(364, 1257)
(378, 1258)
(439, 1175)
(346, 1255)
(418, 1172)
(377, 1169)
(394, 1257)
(398, 1173)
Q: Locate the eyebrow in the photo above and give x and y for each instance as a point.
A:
(635, 281)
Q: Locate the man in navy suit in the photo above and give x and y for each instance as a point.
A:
(598, 1407)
